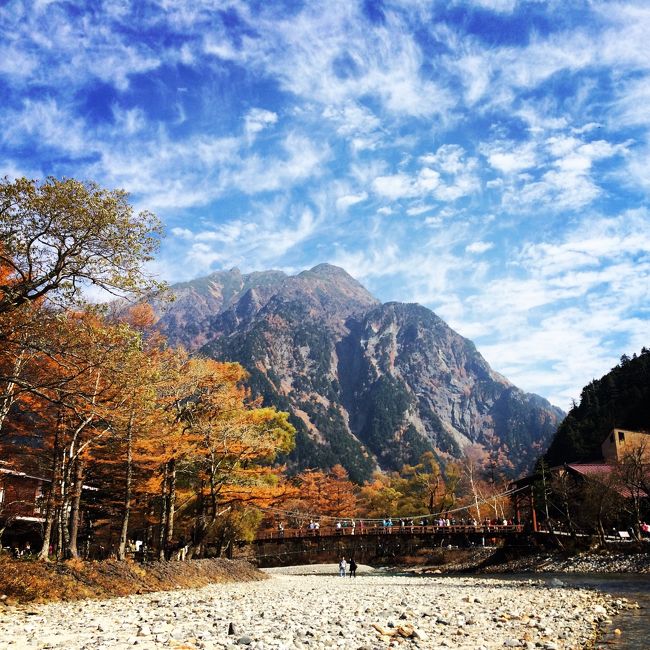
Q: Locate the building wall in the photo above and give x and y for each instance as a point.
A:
(20, 496)
(622, 441)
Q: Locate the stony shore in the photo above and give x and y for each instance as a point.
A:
(311, 607)
(493, 561)
(636, 563)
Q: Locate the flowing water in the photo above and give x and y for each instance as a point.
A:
(633, 624)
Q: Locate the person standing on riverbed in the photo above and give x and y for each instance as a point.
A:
(342, 567)
(353, 568)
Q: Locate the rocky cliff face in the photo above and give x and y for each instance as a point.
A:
(368, 385)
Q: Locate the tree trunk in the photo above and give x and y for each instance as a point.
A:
(476, 504)
(148, 535)
(50, 508)
(44, 553)
(63, 520)
(121, 551)
(636, 504)
(75, 510)
(163, 515)
(171, 504)
(601, 531)
(200, 527)
(553, 534)
(9, 396)
(60, 527)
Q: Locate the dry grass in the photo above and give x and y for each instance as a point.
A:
(33, 581)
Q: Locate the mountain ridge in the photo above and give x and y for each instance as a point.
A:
(369, 385)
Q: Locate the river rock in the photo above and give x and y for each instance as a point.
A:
(296, 609)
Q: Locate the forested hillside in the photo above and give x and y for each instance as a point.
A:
(621, 398)
(367, 385)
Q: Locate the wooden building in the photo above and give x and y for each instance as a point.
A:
(621, 442)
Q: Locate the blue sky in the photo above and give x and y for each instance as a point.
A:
(487, 159)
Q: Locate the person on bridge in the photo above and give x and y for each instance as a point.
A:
(342, 567)
(353, 568)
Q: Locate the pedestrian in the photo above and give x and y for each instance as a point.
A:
(353, 568)
(342, 567)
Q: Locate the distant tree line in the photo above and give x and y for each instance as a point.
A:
(621, 398)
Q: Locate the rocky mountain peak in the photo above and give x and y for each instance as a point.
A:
(335, 281)
(367, 384)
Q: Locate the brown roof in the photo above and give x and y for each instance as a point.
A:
(602, 471)
(12, 472)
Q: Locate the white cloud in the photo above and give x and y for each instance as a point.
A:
(559, 171)
(352, 118)
(47, 123)
(446, 175)
(129, 121)
(395, 186)
(344, 202)
(509, 158)
(302, 159)
(332, 58)
(258, 119)
(419, 209)
(254, 243)
(479, 247)
(182, 233)
(567, 312)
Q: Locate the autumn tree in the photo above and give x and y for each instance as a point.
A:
(420, 485)
(379, 498)
(237, 442)
(452, 486)
(341, 500)
(57, 238)
(79, 407)
(311, 486)
(61, 235)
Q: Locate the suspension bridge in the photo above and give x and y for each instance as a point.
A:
(302, 541)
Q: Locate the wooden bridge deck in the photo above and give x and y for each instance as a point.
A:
(376, 531)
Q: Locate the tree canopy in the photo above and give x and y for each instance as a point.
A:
(59, 235)
(621, 398)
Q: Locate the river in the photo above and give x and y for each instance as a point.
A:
(633, 624)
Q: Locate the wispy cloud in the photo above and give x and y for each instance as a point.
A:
(486, 158)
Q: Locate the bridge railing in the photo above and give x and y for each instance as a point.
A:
(365, 530)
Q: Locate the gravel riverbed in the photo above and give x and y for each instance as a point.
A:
(312, 607)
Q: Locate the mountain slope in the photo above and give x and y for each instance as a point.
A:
(368, 385)
(621, 398)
